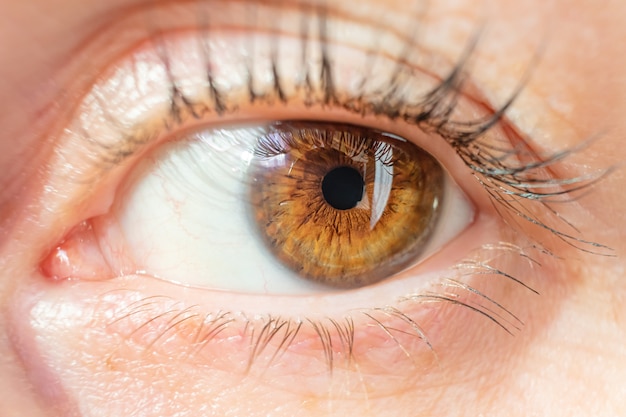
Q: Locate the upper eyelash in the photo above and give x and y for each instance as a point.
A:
(510, 183)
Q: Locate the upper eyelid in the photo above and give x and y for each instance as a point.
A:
(99, 39)
(117, 154)
(126, 147)
(118, 150)
(103, 52)
(115, 33)
(124, 29)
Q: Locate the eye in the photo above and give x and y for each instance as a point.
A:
(228, 171)
(285, 207)
(280, 162)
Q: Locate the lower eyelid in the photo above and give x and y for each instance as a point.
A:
(159, 331)
(128, 325)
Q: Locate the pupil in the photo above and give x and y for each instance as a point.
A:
(343, 188)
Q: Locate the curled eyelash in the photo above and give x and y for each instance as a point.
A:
(515, 177)
(352, 143)
(265, 340)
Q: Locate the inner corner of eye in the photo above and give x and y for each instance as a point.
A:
(77, 256)
(284, 207)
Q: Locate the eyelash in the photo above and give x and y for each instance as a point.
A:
(511, 184)
(508, 181)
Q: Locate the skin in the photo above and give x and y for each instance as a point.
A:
(566, 360)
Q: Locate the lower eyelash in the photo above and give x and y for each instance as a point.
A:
(338, 345)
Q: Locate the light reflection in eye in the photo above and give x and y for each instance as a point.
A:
(190, 211)
(347, 207)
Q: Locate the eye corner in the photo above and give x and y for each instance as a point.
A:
(76, 256)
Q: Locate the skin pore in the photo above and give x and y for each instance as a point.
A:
(131, 345)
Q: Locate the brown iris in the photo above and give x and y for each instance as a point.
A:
(342, 205)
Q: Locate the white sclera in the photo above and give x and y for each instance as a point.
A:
(184, 217)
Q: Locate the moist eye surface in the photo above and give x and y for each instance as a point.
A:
(342, 205)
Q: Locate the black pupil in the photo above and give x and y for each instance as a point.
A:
(343, 188)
